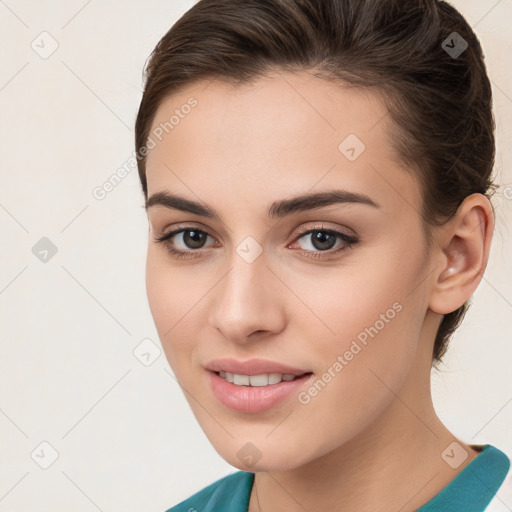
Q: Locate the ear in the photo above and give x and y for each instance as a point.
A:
(464, 244)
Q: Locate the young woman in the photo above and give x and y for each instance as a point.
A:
(317, 177)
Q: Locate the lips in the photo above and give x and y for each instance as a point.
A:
(255, 385)
(252, 367)
(249, 399)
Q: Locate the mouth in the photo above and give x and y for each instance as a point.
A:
(255, 385)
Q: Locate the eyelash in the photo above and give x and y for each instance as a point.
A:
(349, 240)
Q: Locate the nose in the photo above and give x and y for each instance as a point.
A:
(248, 301)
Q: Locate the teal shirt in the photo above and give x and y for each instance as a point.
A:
(470, 491)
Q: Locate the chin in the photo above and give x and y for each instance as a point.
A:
(257, 457)
(273, 465)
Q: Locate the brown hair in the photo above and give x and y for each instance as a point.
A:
(436, 89)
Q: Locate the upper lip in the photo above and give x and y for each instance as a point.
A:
(252, 367)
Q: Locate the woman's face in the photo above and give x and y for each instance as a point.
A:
(275, 282)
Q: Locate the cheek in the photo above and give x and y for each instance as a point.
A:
(374, 313)
(169, 300)
(377, 326)
(158, 282)
(368, 299)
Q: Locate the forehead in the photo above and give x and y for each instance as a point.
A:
(284, 133)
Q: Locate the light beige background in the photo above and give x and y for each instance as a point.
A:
(125, 437)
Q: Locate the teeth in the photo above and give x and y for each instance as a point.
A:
(258, 380)
(274, 378)
(226, 375)
(241, 380)
(265, 379)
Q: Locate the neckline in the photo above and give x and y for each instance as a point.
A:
(476, 485)
(472, 488)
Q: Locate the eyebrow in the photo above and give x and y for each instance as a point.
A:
(277, 210)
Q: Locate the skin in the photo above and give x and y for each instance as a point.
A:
(370, 440)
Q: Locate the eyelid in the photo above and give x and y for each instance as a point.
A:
(300, 233)
(167, 235)
(179, 228)
(307, 228)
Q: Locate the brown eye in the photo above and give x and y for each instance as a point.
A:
(184, 242)
(321, 241)
(194, 239)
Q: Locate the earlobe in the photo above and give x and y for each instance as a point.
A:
(463, 254)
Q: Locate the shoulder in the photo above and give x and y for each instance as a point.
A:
(228, 493)
(502, 500)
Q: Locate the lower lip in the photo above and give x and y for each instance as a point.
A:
(254, 399)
